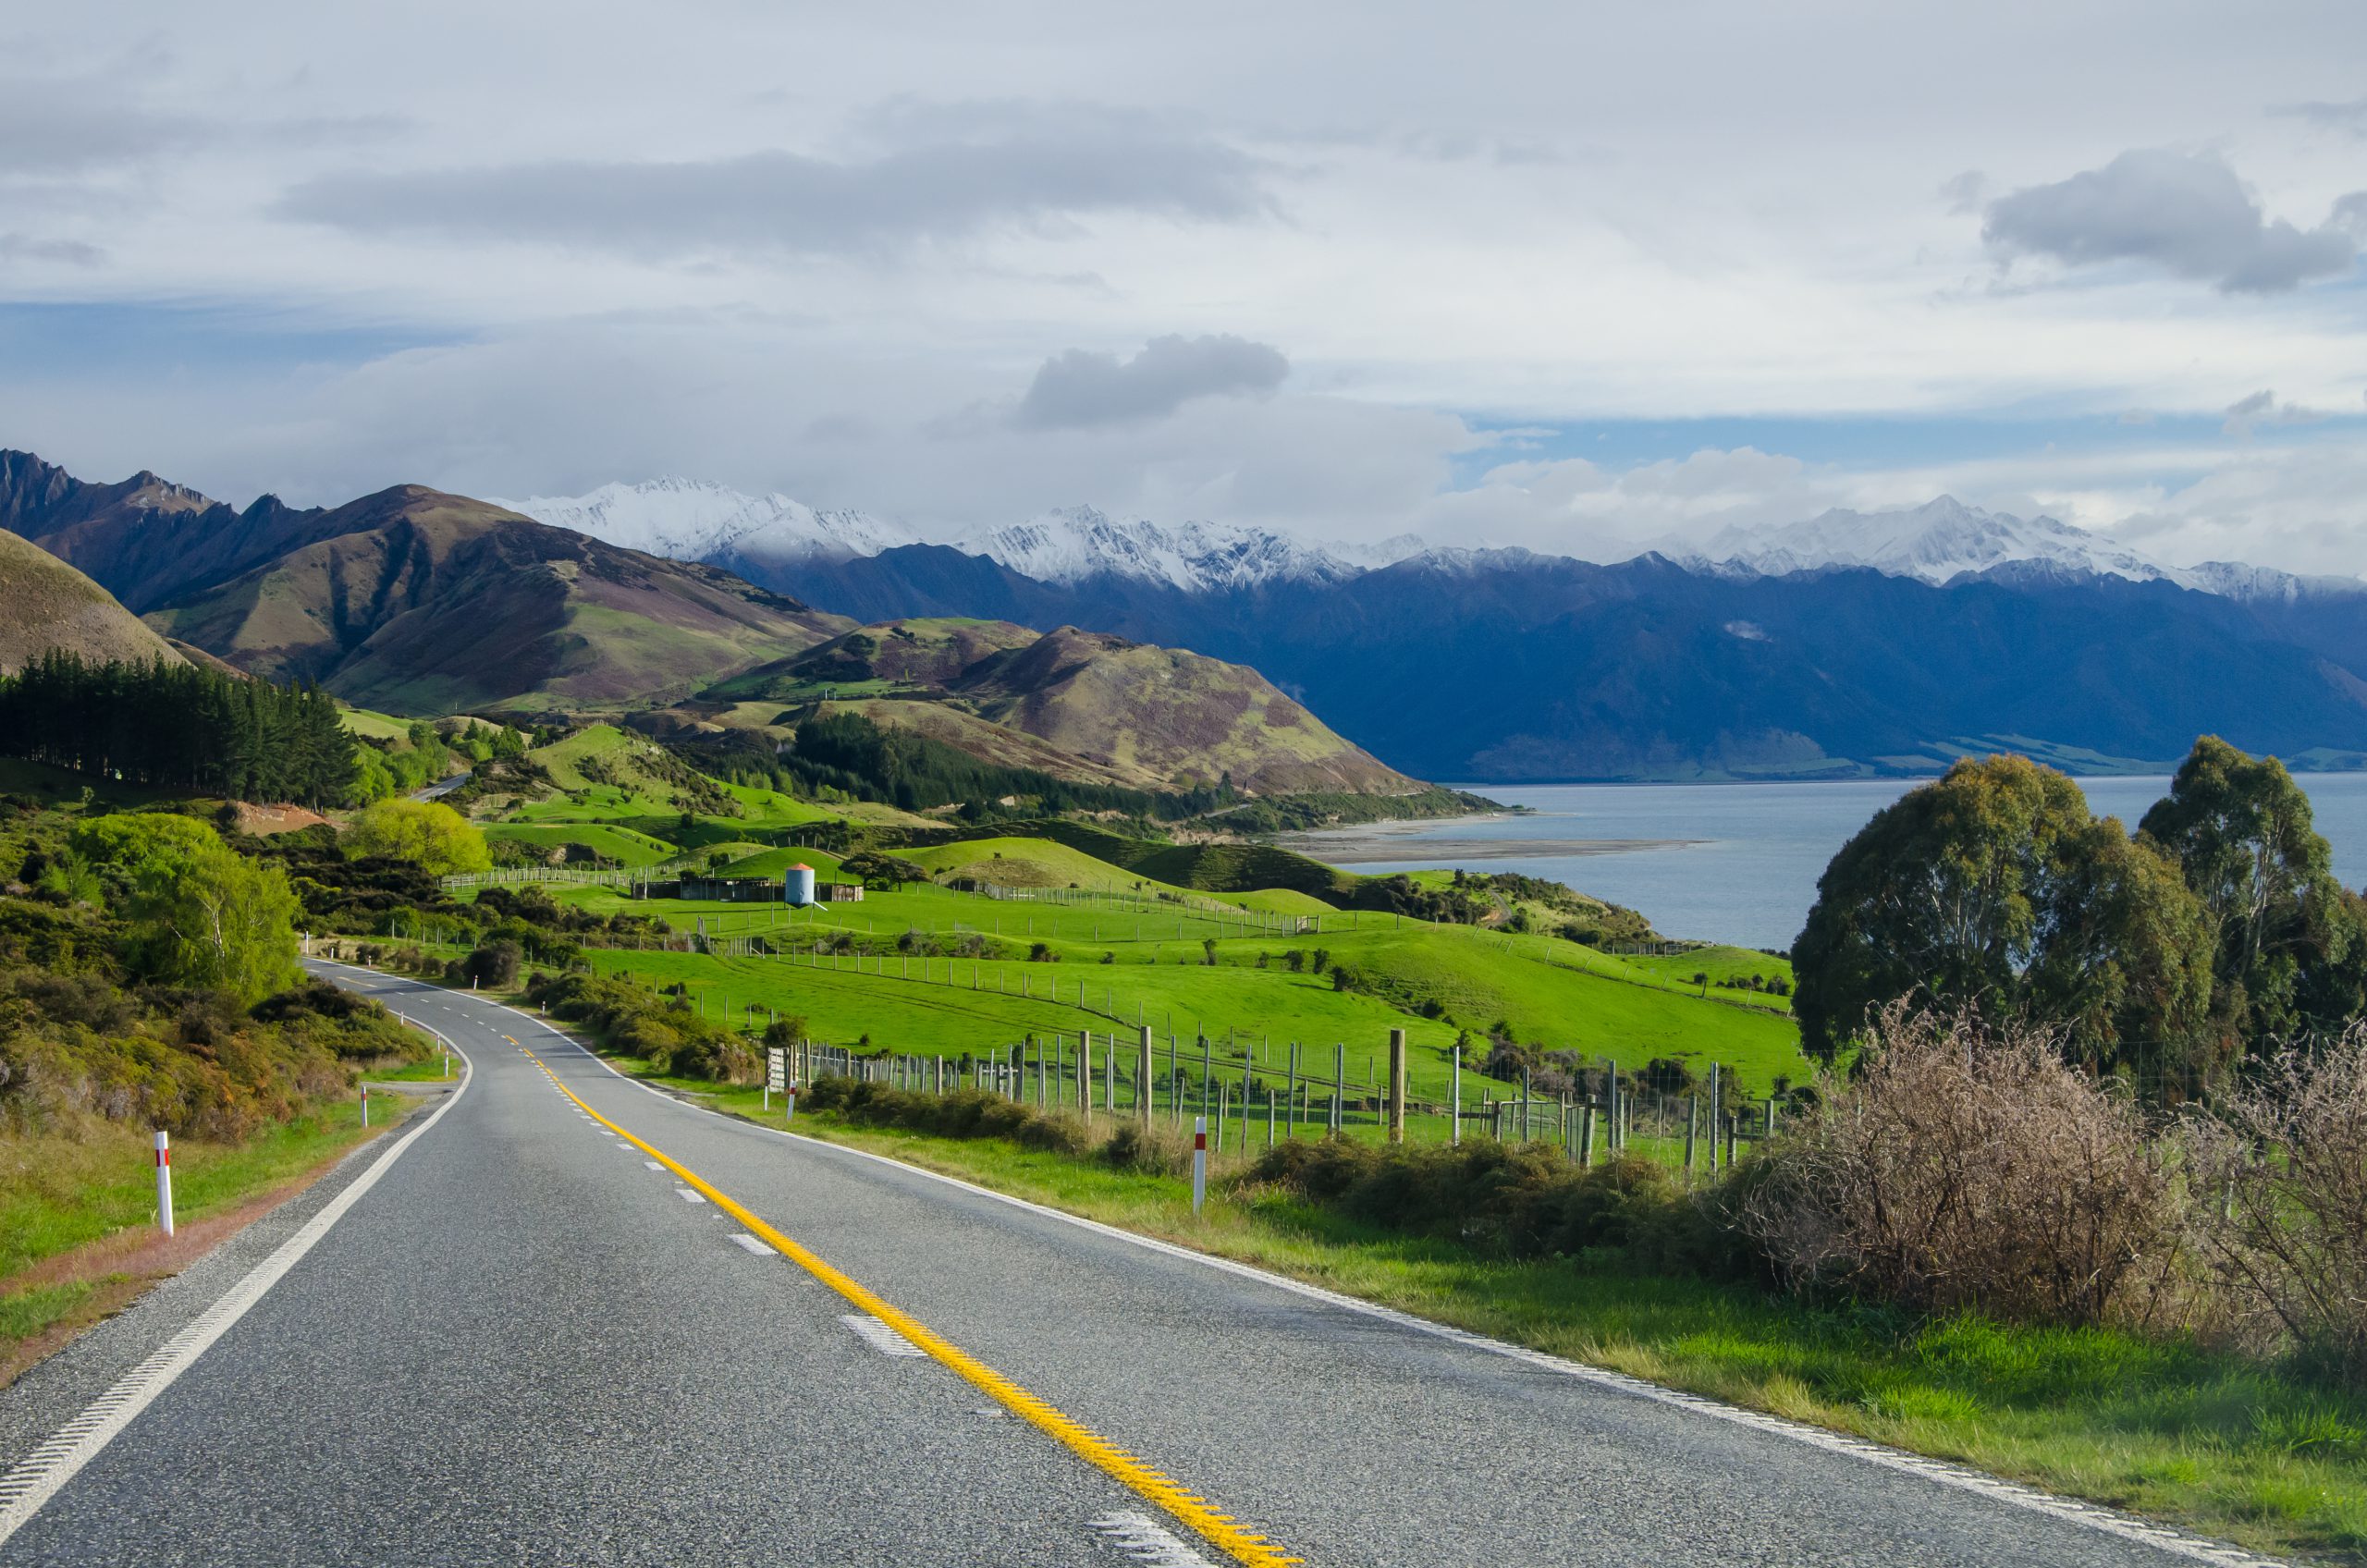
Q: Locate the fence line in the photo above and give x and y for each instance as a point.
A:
(1698, 1133)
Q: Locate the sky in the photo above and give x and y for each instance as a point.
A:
(1580, 277)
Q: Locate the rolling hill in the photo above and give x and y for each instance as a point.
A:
(1082, 704)
(46, 604)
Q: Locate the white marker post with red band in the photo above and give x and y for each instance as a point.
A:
(164, 1183)
(1199, 1162)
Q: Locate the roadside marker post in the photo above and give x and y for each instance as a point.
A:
(165, 1182)
(1199, 1162)
(1142, 1081)
(365, 1105)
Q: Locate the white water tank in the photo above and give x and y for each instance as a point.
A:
(797, 887)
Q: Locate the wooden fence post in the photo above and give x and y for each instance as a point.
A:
(1397, 1085)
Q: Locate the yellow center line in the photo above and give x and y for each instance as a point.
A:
(1221, 1530)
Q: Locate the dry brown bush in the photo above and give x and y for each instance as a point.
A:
(2281, 1185)
(1965, 1167)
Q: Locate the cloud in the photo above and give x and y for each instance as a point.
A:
(1964, 193)
(2186, 212)
(2350, 116)
(2260, 409)
(71, 252)
(931, 174)
(1081, 389)
(63, 127)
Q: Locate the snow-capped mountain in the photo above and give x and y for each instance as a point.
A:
(772, 538)
(1072, 544)
(690, 519)
(1936, 541)
(2265, 585)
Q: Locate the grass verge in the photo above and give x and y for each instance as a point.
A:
(78, 1213)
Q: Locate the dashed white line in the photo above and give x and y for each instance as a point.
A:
(1146, 1540)
(654, 1165)
(687, 1196)
(747, 1243)
(880, 1337)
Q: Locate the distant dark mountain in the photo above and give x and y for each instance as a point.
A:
(1505, 666)
(146, 540)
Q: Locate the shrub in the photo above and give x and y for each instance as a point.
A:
(2287, 1231)
(676, 1042)
(1968, 1167)
(1153, 1151)
(1522, 1200)
(965, 1113)
(495, 965)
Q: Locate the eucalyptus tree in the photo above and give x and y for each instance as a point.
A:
(1995, 887)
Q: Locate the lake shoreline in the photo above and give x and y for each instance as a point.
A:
(1397, 842)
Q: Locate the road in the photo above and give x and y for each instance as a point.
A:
(442, 787)
(560, 1328)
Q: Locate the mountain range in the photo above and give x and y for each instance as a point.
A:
(422, 602)
(1849, 644)
(1939, 541)
(1846, 645)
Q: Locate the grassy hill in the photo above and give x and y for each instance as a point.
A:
(46, 604)
(919, 655)
(1083, 707)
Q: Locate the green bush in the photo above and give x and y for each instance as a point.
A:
(1517, 1200)
(676, 1042)
(965, 1113)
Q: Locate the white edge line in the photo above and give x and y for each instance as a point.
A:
(38, 1478)
(2094, 1516)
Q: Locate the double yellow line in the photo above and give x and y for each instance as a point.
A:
(1221, 1530)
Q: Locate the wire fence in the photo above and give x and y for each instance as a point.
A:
(1251, 1105)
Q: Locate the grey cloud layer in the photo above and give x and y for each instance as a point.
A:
(1081, 388)
(2187, 213)
(2350, 117)
(987, 169)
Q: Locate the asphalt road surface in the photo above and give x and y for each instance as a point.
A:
(574, 1321)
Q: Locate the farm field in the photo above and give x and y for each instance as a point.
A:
(1125, 967)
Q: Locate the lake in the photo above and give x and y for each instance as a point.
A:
(1728, 862)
